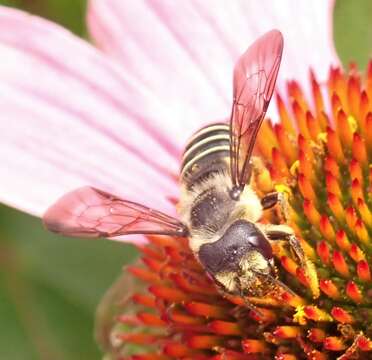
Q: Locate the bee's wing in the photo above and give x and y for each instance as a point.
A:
(254, 80)
(88, 212)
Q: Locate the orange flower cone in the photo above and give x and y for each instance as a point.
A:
(321, 157)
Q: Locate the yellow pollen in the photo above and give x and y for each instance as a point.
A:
(299, 315)
(294, 167)
(313, 279)
(323, 172)
(322, 137)
(352, 123)
(282, 188)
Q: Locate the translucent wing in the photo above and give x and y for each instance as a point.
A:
(254, 80)
(88, 212)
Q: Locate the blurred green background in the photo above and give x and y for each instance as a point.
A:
(49, 286)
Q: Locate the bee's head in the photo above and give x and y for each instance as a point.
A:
(256, 276)
(242, 245)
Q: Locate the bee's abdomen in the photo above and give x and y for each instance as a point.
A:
(206, 153)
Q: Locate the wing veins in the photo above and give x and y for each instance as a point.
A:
(94, 213)
(252, 94)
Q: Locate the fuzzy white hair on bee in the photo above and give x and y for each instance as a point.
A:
(218, 209)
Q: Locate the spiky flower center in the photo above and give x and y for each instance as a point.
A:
(320, 154)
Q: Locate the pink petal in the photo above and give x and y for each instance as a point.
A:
(184, 51)
(70, 117)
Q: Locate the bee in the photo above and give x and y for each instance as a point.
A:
(219, 211)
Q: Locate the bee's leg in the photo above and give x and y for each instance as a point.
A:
(271, 199)
(251, 307)
(278, 284)
(284, 232)
(230, 284)
(241, 310)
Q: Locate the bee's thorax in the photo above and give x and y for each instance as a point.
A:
(206, 205)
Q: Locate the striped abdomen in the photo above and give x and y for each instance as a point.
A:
(206, 153)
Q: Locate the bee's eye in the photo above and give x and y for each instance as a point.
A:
(258, 241)
(246, 234)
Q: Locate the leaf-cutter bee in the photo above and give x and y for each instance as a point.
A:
(219, 210)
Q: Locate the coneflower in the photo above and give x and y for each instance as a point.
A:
(321, 157)
(69, 121)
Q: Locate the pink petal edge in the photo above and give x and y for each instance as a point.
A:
(63, 117)
(195, 43)
(68, 120)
